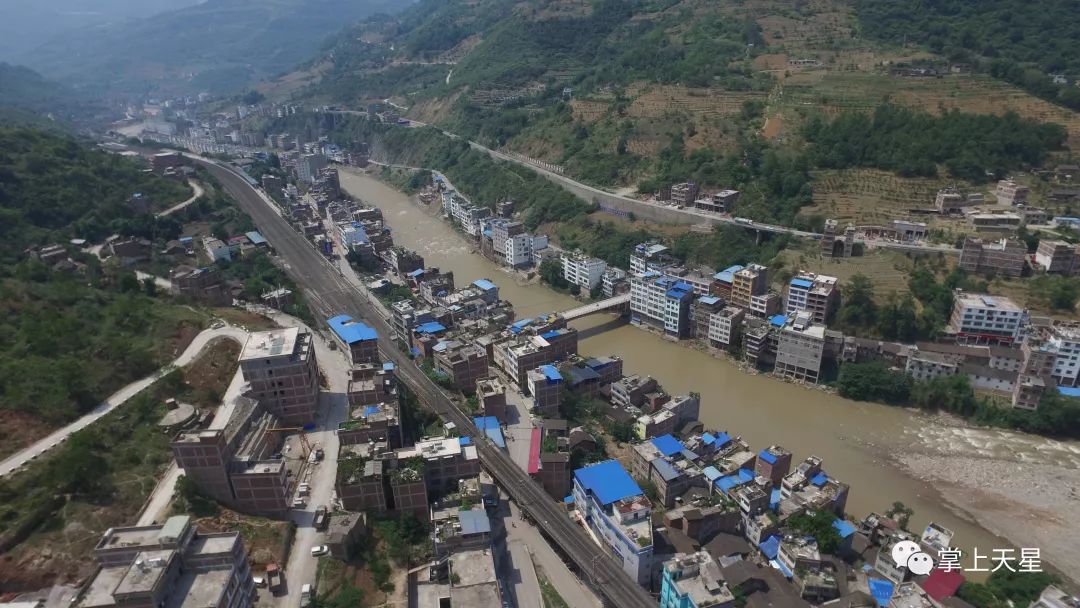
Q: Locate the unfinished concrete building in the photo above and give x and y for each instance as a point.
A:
(234, 464)
(279, 366)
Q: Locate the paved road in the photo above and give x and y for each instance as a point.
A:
(198, 191)
(119, 397)
(330, 293)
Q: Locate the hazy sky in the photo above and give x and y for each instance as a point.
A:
(27, 24)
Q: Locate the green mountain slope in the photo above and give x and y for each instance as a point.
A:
(219, 45)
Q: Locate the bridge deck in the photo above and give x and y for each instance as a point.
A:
(595, 307)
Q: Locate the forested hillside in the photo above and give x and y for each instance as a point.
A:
(70, 337)
(55, 188)
(1022, 42)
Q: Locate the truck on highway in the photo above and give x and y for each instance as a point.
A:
(743, 220)
(273, 577)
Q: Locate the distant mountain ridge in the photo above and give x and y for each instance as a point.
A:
(218, 46)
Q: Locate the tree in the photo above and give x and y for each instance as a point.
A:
(818, 524)
(901, 513)
(873, 381)
(551, 272)
(1063, 295)
(858, 310)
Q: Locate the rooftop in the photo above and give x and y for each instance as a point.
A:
(350, 331)
(273, 343)
(697, 576)
(608, 481)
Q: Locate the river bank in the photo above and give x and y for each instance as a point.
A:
(885, 453)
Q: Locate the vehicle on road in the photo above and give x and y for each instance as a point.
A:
(298, 503)
(320, 517)
(304, 489)
(319, 550)
(319, 454)
(305, 595)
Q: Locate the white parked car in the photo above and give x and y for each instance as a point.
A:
(319, 550)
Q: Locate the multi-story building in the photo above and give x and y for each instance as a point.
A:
(815, 293)
(492, 396)
(462, 364)
(612, 505)
(1058, 257)
(1005, 257)
(950, 200)
(631, 390)
(408, 488)
(516, 357)
(808, 487)
(583, 271)
(171, 564)
(444, 461)
(362, 481)
(833, 243)
(1064, 341)
(662, 302)
(670, 418)
(355, 338)
(201, 284)
(520, 248)
(800, 349)
(233, 462)
(773, 463)
(308, 167)
(279, 366)
(649, 257)
(725, 327)
(546, 385)
(701, 311)
(927, 365)
(748, 282)
(501, 231)
(995, 222)
(721, 284)
(1011, 193)
(684, 194)
(613, 281)
(662, 461)
(402, 261)
(553, 473)
(984, 319)
(694, 581)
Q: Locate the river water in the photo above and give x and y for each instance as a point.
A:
(855, 440)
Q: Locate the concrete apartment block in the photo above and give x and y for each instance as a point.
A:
(279, 366)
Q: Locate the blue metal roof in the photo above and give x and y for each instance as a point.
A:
(350, 331)
(707, 438)
(722, 439)
(730, 482)
(466, 440)
(582, 374)
(820, 479)
(767, 457)
(687, 454)
(474, 521)
(608, 481)
(676, 293)
(489, 425)
(551, 373)
(431, 327)
(774, 498)
(371, 409)
(779, 565)
(667, 445)
(595, 363)
(484, 284)
(881, 590)
(388, 366)
(255, 238)
(711, 473)
(708, 300)
(727, 275)
(416, 273)
(778, 320)
(844, 527)
(519, 325)
(805, 284)
(770, 546)
(547, 335)
(664, 468)
(1069, 391)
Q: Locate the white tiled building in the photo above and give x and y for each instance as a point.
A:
(583, 271)
(981, 318)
